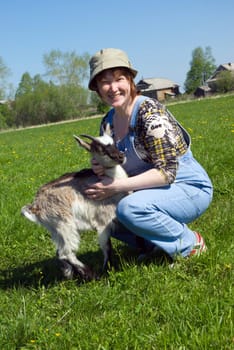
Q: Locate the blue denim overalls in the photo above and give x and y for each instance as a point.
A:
(159, 215)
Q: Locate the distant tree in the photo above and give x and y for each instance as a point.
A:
(224, 82)
(66, 68)
(44, 102)
(25, 85)
(61, 97)
(28, 84)
(4, 73)
(209, 64)
(6, 116)
(202, 66)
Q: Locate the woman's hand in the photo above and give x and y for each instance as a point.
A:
(102, 190)
(108, 187)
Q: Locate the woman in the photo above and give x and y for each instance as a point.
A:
(169, 188)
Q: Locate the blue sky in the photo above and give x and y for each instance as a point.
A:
(159, 36)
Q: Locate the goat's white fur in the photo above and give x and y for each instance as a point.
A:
(61, 207)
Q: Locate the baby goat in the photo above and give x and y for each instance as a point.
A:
(63, 209)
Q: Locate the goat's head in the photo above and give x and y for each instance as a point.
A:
(103, 149)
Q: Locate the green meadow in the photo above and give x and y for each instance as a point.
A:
(138, 305)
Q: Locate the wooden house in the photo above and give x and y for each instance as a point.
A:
(158, 88)
(228, 67)
(203, 91)
(210, 85)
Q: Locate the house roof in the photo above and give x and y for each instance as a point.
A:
(228, 66)
(204, 88)
(156, 84)
(222, 67)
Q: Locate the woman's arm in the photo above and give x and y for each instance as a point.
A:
(107, 187)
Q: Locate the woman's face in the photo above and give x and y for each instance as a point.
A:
(114, 88)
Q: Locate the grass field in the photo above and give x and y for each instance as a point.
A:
(138, 306)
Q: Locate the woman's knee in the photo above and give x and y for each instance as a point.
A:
(123, 211)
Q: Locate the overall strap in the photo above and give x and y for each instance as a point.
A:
(134, 112)
(109, 116)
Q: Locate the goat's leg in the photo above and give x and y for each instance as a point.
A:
(107, 263)
(66, 239)
(105, 244)
(72, 267)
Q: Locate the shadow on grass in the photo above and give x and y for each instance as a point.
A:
(43, 273)
(47, 272)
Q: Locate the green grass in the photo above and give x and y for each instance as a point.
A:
(138, 306)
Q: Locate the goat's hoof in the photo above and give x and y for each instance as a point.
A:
(86, 274)
(66, 269)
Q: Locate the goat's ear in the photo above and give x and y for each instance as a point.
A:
(82, 143)
(107, 129)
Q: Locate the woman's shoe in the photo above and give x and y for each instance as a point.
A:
(200, 246)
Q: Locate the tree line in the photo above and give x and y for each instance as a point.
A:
(59, 94)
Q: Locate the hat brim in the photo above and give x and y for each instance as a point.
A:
(92, 85)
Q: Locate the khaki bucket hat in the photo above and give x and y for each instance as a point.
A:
(106, 59)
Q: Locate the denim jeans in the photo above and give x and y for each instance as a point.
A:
(160, 215)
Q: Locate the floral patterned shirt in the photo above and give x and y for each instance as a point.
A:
(159, 138)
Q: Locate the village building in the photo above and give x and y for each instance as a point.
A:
(159, 88)
(210, 85)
